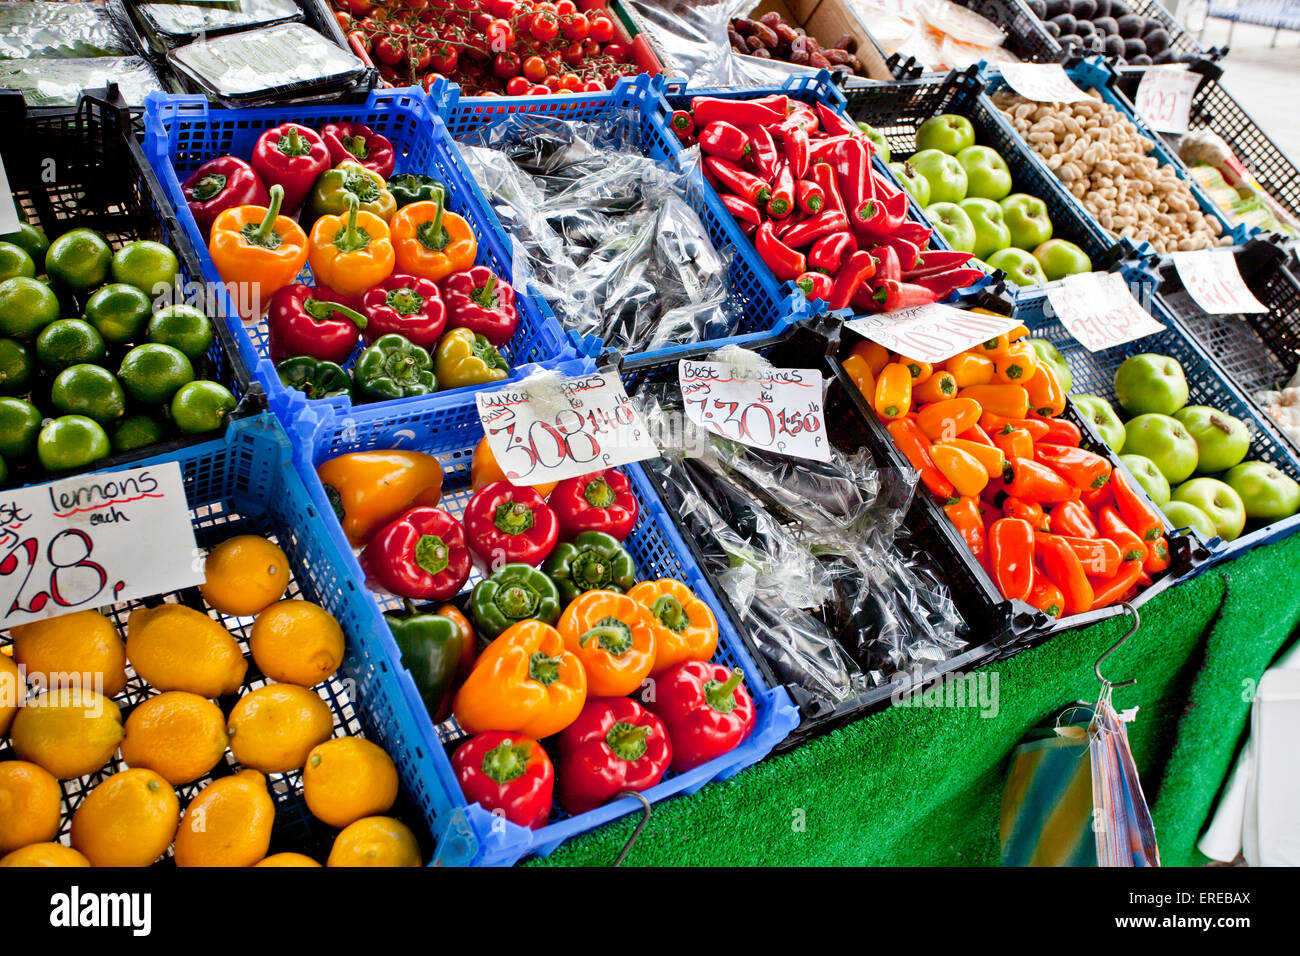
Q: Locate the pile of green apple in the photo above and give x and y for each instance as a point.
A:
(1173, 449)
(965, 191)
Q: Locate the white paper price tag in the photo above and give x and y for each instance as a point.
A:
(931, 333)
(776, 409)
(1042, 82)
(547, 428)
(93, 540)
(1099, 311)
(8, 211)
(1212, 279)
(1164, 98)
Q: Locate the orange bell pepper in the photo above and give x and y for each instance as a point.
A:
(484, 470)
(431, 242)
(610, 633)
(683, 626)
(939, 386)
(967, 475)
(255, 246)
(526, 681)
(947, 419)
(351, 253)
(970, 369)
(368, 489)
(916, 447)
(859, 372)
(893, 391)
(873, 353)
(1009, 401)
(990, 457)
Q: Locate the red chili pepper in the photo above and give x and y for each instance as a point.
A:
(1066, 572)
(852, 166)
(887, 215)
(828, 252)
(478, 300)
(815, 285)
(1028, 511)
(725, 140)
(944, 284)
(902, 295)
(803, 117)
(1079, 467)
(1072, 518)
(682, 123)
(1114, 589)
(857, 269)
(221, 184)
(706, 709)
(358, 142)
(741, 182)
(935, 261)
(301, 320)
(614, 746)
(764, 156)
(1059, 431)
(789, 222)
(510, 523)
(824, 176)
(601, 501)
(825, 150)
(888, 266)
(809, 196)
(408, 305)
(1011, 557)
(1113, 528)
(507, 773)
(815, 227)
(917, 233)
(964, 513)
(741, 209)
(907, 252)
(786, 263)
(781, 202)
(795, 141)
(707, 109)
(1039, 483)
(1137, 514)
(421, 555)
(290, 156)
(836, 124)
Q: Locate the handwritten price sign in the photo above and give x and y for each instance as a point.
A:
(1164, 98)
(1099, 311)
(1212, 279)
(93, 540)
(776, 409)
(931, 333)
(549, 428)
(1042, 82)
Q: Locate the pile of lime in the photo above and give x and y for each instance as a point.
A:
(95, 359)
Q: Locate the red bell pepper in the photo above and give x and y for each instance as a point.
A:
(614, 746)
(601, 501)
(741, 209)
(856, 270)
(823, 174)
(478, 300)
(786, 263)
(507, 773)
(290, 156)
(944, 284)
(220, 184)
(408, 305)
(893, 295)
(682, 123)
(815, 285)
(828, 252)
(723, 139)
(934, 261)
(812, 229)
(301, 320)
(358, 142)
(420, 555)
(764, 157)
(781, 203)
(888, 214)
(809, 196)
(761, 112)
(837, 125)
(706, 709)
(1079, 467)
(740, 181)
(507, 523)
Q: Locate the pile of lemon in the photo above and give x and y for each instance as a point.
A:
(68, 730)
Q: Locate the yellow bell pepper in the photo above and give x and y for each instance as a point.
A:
(683, 626)
(351, 253)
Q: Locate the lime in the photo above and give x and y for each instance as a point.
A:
(26, 306)
(16, 367)
(118, 311)
(20, 423)
(30, 238)
(152, 372)
(88, 390)
(79, 259)
(201, 407)
(149, 266)
(70, 442)
(68, 342)
(182, 327)
(137, 431)
(14, 261)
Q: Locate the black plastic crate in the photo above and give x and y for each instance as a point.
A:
(102, 182)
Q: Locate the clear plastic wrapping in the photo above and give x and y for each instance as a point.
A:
(168, 25)
(58, 82)
(50, 30)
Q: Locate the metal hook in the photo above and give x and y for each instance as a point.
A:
(631, 841)
(1107, 685)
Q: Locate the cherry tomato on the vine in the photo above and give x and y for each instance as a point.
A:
(600, 28)
(500, 36)
(565, 6)
(518, 86)
(618, 52)
(574, 26)
(552, 83)
(535, 68)
(570, 83)
(444, 57)
(593, 86)
(506, 65)
(572, 54)
(389, 50)
(545, 26)
(431, 78)
(539, 89)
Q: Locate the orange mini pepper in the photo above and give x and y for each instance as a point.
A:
(1045, 595)
(1016, 365)
(526, 681)
(1030, 511)
(1038, 430)
(916, 448)
(368, 489)
(351, 253)
(1011, 557)
(999, 345)
(484, 469)
(1100, 557)
(939, 386)
(859, 372)
(431, 242)
(970, 369)
(255, 246)
(990, 457)
(610, 633)
(1035, 482)
(965, 515)
(1133, 507)
(1157, 556)
(683, 626)
(1046, 397)
(893, 391)
(1108, 591)
(1009, 401)
(920, 371)
(964, 470)
(1066, 571)
(873, 353)
(1015, 443)
(947, 419)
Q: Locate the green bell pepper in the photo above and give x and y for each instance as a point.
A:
(593, 561)
(413, 187)
(314, 377)
(431, 651)
(329, 197)
(393, 367)
(515, 592)
(467, 358)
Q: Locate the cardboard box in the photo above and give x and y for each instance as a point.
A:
(826, 21)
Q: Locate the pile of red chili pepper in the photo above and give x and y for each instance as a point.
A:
(801, 183)
(1053, 523)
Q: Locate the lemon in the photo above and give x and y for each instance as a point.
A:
(30, 805)
(128, 820)
(244, 574)
(44, 854)
(227, 824)
(179, 735)
(273, 728)
(70, 732)
(175, 647)
(296, 642)
(12, 692)
(287, 859)
(82, 647)
(348, 778)
(375, 841)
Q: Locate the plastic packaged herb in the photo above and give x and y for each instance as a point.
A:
(29, 30)
(169, 25)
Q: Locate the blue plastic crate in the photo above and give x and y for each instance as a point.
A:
(451, 432)
(245, 483)
(183, 132)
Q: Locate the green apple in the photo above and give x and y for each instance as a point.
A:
(1165, 441)
(1221, 439)
(953, 224)
(912, 181)
(947, 132)
(1183, 515)
(877, 140)
(1020, 267)
(987, 175)
(1223, 505)
(1061, 258)
(1267, 493)
(945, 175)
(1026, 217)
(1049, 353)
(991, 233)
(1149, 477)
(1150, 383)
(1103, 418)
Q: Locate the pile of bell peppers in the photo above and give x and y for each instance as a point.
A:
(393, 269)
(1054, 525)
(800, 182)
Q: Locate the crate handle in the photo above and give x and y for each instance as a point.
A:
(645, 818)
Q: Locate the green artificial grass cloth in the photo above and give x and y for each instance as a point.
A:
(923, 785)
